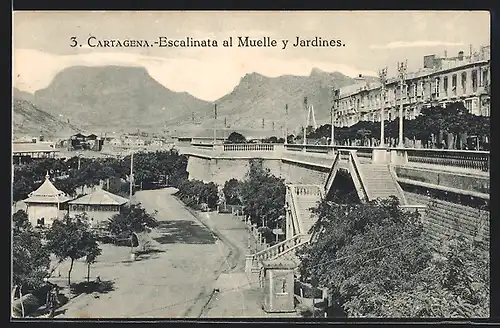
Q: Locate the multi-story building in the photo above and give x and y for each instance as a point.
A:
(440, 81)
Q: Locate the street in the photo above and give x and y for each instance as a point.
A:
(174, 281)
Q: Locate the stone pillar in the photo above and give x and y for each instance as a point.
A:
(248, 264)
(399, 157)
(379, 156)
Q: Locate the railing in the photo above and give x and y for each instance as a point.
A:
(398, 187)
(329, 179)
(293, 207)
(276, 250)
(467, 159)
(476, 160)
(203, 145)
(249, 147)
(307, 190)
(359, 175)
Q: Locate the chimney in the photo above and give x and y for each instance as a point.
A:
(460, 55)
(445, 54)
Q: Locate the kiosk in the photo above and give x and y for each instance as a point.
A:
(279, 286)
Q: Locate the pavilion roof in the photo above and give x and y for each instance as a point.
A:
(99, 197)
(47, 193)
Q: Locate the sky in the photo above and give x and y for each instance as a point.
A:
(373, 40)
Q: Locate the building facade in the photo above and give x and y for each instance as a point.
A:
(440, 81)
(100, 205)
(46, 204)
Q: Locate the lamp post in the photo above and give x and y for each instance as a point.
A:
(332, 116)
(305, 123)
(402, 75)
(131, 177)
(286, 124)
(383, 79)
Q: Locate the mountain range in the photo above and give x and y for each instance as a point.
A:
(28, 119)
(124, 99)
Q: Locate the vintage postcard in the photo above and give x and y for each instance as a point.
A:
(319, 164)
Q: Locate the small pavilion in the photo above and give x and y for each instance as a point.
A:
(99, 205)
(46, 204)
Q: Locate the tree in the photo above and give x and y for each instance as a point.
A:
(30, 258)
(93, 251)
(236, 138)
(71, 238)
(133, 218)
(263, 196)
(374, 259)
(232, 191)
(377, 249)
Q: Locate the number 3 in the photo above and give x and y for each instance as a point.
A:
(75, 43)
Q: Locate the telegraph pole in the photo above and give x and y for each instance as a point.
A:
(382, 74)
(286, 124)
(402, 75)
(215, 124)
(131, 177)
(305, 123)
(332, 115)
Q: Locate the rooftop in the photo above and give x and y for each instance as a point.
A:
(47, 193)
(99, 197)
(32, 148)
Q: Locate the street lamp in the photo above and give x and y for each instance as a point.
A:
(402, 75)
(383, 79)
(79, 157)
(332, 115)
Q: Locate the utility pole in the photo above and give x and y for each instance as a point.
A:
(382, 74)
(286, 124)
(215, 123)
(332, 117)
(131, 177)
(305, 123)
(402, 75)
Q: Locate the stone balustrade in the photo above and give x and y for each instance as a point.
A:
(248, 147)
(254, 260)
(463, 159)
(307, 190)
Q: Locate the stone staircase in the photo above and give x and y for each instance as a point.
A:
(300, 198)
(379, 182)
(307, 198)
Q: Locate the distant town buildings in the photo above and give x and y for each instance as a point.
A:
(82, 142)
(443, 80)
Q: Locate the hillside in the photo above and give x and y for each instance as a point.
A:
(113, 98)
(29, 120)
(258, 97)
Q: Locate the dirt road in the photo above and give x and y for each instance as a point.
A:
(174, 281)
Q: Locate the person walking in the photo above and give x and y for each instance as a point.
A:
(53, 300)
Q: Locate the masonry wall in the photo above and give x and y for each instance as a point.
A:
(446, 179)
(221, 170)
(443, 219)
(303, 174)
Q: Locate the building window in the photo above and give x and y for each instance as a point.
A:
(454, 84)
(468, 105)
(485, 77)
(436, 87)
(464, 82)
(422, 93)
(445, 85)
(414, 90)
(474, 80)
